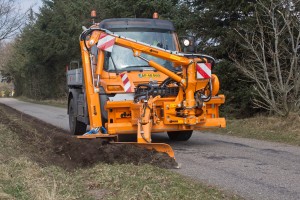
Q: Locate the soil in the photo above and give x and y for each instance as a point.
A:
(49, 145)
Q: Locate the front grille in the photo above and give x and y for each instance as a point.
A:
(163, 92)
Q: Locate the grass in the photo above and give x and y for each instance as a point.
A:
(22, 178)
(275, 129)
(62, 103)
(147, 182)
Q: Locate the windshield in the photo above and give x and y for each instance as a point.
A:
(122, 58)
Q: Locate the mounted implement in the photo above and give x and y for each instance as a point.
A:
(136, 81)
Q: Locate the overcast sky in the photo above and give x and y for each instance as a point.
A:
(26, 4)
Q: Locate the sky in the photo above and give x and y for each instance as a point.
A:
(26, 4)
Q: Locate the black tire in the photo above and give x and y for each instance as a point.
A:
(180, 135)
(76, 127)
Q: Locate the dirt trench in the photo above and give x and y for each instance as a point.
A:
(49, 145)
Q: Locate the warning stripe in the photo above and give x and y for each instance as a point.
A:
(126, 82)
(106, 42)
(203, 70)
(124, 77)
(102, 35)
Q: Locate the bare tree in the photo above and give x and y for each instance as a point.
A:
(11, 19)
(271, 55)
(6, 52)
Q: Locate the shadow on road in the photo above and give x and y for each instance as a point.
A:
(197, 139)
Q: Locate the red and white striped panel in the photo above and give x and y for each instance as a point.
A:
(126, 82)
(106, 42)
(203, 70)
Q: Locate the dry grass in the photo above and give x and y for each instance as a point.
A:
(148, 182)
(21, 178)
(276, 129)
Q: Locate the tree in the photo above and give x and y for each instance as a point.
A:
(46, 45)
(5, 54)
(50, 41)
(137, 8)
(214, 23)
(10, 19)
(271, 55)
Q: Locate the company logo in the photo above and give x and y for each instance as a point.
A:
(149, 75)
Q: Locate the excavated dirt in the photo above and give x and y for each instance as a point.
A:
(49, 145)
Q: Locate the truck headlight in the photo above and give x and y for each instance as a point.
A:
(186, 42)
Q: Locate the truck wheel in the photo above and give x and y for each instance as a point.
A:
(76, 127)
(180, 135)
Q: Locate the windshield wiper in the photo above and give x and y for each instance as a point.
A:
(113, 62)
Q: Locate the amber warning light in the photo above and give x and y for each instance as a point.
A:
(93, 14)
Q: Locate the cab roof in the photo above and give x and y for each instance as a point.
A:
(116, 24)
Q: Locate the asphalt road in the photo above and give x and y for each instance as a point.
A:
(250, 168)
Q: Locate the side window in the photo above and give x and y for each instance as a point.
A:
(74, 64)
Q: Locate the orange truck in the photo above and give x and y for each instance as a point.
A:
(134, 79)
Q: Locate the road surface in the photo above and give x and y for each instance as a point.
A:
(250, 168)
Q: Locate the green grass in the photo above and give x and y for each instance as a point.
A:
(147, 182)
(62, 103)
(275, 129)
(22, 178)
